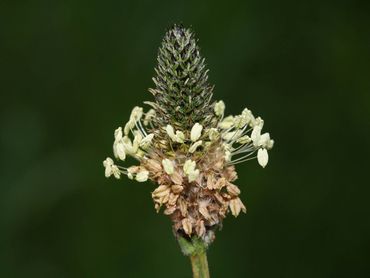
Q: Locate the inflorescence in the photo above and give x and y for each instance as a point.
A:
(186, 145)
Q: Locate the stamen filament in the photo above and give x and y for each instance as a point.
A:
(234, 163)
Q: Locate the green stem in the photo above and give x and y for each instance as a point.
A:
(195, 248)
(199, 265)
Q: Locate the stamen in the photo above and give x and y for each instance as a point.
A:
(231, 139)
(243, 149)
(243, 157)
(139, 129)
(142, 128)
(234, 163)
(247, 131)
(241, 146)
(229, 129)
(123, 172)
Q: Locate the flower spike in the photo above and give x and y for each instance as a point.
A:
(186, 145)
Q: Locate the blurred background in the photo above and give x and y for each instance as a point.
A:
(71, 71)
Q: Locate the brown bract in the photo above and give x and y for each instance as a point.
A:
(198, 207)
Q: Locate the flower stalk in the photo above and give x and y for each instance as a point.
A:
(196, 249)
(199, 265)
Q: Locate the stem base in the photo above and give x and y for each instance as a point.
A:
(196, 249)
(199, 264)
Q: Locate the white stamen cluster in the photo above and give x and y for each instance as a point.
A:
(193, 168)
(123, 145)
(239, 146)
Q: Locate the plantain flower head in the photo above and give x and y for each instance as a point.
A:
(185, 145)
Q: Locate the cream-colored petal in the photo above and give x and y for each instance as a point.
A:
(213, 134)
(189, 166)
(137, 140)
(227, 122)
(120, 151)
(262, 157)
(257, 122)
(149, 116)
(145, 143)
(219, 108)
(116, 172)
(128, 145)
(244, 140)
(142, 176)
(196, 132)
(136, 113)
(168, 166)
(264, 140)
(192, 176)
(118, 134)
(129, 125)
(195, 146)
(270, 144)
(108, 163)
(108, 171)
(180, 137)
(170, 131)
(256, 135)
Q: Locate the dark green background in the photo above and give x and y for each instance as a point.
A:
(72, 70)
